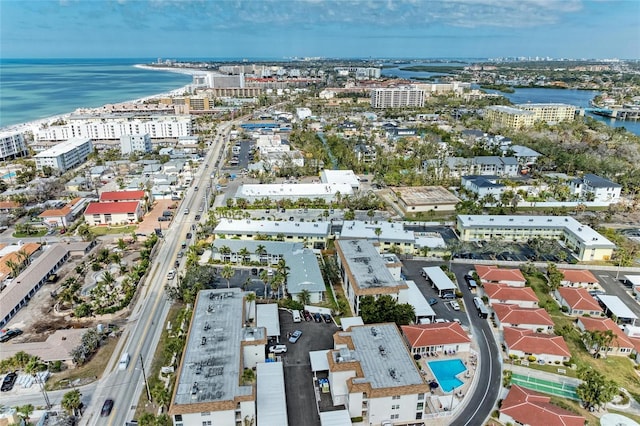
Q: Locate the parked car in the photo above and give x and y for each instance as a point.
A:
(10, 334)
(307, 315)
(455, 305)
(106, 408)
(433, 301)
(197, 217)
(448, 296)
(189, 235)
(317, 317)
(327, 318)
(278, 349)
(8, 382)
(295, 336)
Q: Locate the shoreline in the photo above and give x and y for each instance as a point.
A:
(36, 124)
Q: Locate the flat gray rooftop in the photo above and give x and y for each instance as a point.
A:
(368, 268)
(211, 365)
(385, 361)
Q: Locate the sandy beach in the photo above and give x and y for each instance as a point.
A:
(34, 125)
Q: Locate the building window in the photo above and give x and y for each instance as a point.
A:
(178, 417)
(418, 416)
(395, 397)
(205, 413)
(395, 407)
(420, 406)
(420, 395)
(395, 416)
(207, 423)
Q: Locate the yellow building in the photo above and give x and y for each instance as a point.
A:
(506, 116)
(550, 113)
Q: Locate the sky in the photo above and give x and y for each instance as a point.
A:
(277, 29)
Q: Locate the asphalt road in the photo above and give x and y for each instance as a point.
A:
(141, 337)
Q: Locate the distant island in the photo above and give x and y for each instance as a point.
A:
(433, 68)
(499, 87)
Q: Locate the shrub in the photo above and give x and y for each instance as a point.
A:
(564, 308)
(531, 358)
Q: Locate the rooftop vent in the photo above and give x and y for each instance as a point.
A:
(382, 350)
(374, 331)
(393, 374)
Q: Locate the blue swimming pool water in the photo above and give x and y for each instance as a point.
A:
(9, 175)
(446, 371)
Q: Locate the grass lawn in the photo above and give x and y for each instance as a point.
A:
(108, 230)
(36, 234)
(616, 368)
(160, 359)
(86, 373)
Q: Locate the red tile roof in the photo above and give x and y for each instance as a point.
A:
(604, 324)
(121, 195)
(528, 341)
(578, 276)
(498, 275)
(579, 298)
(422, 335)
(63, 212)
(9, 205)
(505, 292)
(112, 208)
(532, 408)
(514, 314)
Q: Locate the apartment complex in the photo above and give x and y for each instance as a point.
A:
(65, 155)
(506, 116)
(135, 143)
(550, 113)
(596, 188)
(397, 97)
(209, 387)
(525, 115)
(12, 145)
(312, 234)
(364, 272)
(112, 127)
(372, 373)
(584, 241)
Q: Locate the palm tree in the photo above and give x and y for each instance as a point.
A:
(378, 232)
(250, 298)
(261, 251)
(227, 273)
(244, 254)
(225, 251)
(264, 276)
(161, 395)
(276, 283)
(25, 411)
(23, 256)
(71, 401)
(304, 297)
(14, 267)
(107, 278)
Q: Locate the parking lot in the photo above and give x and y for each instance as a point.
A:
(443, 308)
(301, 399)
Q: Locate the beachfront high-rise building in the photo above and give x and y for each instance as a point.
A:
(135, 143)
(65, 155)
(398, 97)
(112, 127)
(12, 145)
(216, 80)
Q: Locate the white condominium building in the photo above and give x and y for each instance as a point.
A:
(372, 373)
(12, 145)
(135, 143)
(397, 97)
(113, 127)
(65, 155)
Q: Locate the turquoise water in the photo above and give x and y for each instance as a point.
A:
(445, 372)
(8, 175)
(32, 89)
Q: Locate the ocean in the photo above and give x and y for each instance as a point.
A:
(32, 89)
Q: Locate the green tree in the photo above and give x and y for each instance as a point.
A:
(227, 273)
(264, 276)
(595, 390)
(71, 402)
(25, 411)
(385, 309)
(554, 275)
(249, 298)
(304, 297)
(161, 395)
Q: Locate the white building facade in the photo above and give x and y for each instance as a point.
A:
(65, 155)
(135, 143)
(399, 97)
(12, 145)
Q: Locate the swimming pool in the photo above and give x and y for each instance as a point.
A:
(9, 175)
(446, 371)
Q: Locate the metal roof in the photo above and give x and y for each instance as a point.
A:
(271, 401)
(617, 306)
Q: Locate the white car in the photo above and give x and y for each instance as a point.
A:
(455, 305)
(278, 349)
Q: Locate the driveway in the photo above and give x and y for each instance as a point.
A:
(301, 399)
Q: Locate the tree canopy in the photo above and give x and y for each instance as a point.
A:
(385, 309)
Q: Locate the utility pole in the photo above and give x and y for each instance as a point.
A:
(144, 377)
(44, 391)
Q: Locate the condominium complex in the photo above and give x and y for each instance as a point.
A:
(209, 386)
(135, 143)
(398, 97)
(115, 126)
(525, 115)
(506, 116)
(12, 145)
(313, 234)
(372, 373)
(364, 272)
(585, 242)
(550, 113)
(65, 155)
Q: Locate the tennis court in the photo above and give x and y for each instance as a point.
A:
(545, 386)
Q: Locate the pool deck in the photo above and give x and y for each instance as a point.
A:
(441, 402)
